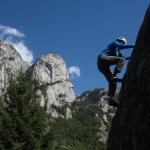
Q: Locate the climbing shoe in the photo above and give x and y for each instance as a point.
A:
(113, 103)
(115, 79)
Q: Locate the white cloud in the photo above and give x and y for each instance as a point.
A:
(25, 53)
(15, 37)
(74, 71)
(10, 31)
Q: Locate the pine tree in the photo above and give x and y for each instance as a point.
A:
(23, 122)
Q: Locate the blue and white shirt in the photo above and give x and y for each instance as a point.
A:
(113, 49)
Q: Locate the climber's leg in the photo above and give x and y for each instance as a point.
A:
(119, 66)
(118, 61)
(105, 70)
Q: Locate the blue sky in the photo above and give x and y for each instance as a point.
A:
(75, 29)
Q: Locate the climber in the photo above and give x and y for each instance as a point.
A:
(112, 56)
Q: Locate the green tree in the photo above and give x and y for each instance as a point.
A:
(25, 125)
(23, 122)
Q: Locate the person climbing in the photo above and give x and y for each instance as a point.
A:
(112, 56)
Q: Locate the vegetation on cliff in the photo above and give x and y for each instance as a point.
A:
(24, 124)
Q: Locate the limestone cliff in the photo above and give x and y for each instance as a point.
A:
(51, 74)
(10, 64)
(131, 125)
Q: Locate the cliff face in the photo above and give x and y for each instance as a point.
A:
(131, 125)
(51, 74)
(10, 65)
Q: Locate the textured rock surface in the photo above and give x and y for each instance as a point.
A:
(10, 63)
(97, 97)
(51, 74)
(131, 125)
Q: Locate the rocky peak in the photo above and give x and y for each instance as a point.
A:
(92, 96)
(51, 74)
(10, 63)
(50, 68)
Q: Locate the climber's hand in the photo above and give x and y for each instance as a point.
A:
(120, 55)
(128, 58)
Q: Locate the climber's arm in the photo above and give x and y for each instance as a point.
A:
(128, 58)
(121, 46)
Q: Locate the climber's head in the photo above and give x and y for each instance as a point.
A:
(122, 40)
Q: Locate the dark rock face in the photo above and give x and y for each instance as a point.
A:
(131, 125)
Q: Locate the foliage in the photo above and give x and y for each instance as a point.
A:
(79, 132)
(25, 125)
